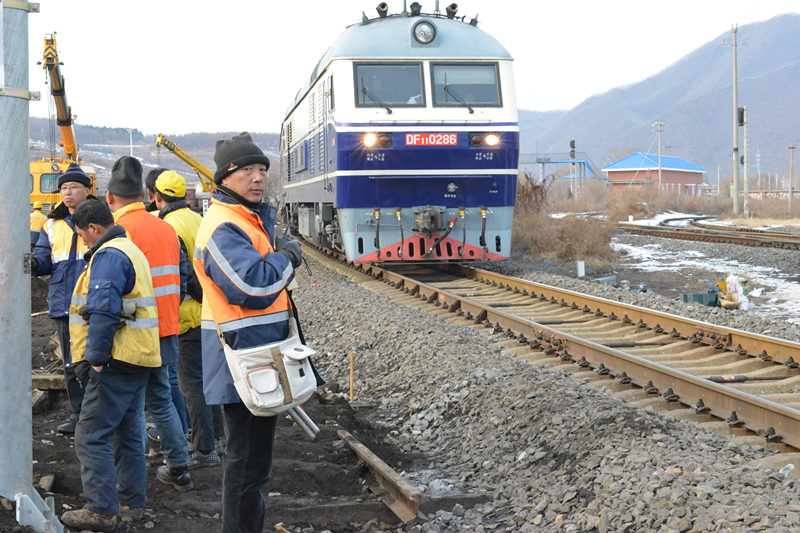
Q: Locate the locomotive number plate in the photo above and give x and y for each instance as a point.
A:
(431, 139)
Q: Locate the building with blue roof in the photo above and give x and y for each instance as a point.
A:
(641, 170)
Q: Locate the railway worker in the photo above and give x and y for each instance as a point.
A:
(244, 282)
(159, 243)
(59, 253)
(114, 328)
(170, 198)
(37, 221)
(150, 185)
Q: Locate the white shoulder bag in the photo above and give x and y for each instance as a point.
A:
(273, 378)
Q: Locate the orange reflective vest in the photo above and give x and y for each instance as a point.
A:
(244, 284)
(159, 243)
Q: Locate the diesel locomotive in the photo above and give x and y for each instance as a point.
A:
(403, 146)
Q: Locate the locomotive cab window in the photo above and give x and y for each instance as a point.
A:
(465, 85)
(48, 183)
(388, 85)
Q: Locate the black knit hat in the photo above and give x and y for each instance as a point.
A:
(74, 173)
(126, 178)
(236, 153)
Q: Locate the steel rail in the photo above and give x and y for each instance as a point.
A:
(784, 241)
(742, 342)
(402, 498)
(759, 414)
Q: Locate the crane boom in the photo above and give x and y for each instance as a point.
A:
(63, 110)
(205, 175)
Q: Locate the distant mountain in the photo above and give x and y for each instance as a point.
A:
(693, 97)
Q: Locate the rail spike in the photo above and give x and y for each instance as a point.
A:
(733, 421)
(669, 395)
(701, 408)
(649, 388)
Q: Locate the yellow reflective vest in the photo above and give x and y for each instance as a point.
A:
(37, 220)
(136, 340)
(185, 222)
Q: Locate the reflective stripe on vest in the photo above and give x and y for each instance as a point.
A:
(159, 244)
(136, 340)
(215, 304)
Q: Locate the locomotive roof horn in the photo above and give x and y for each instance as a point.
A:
(382, 9)
(416, 9)
(452, 9)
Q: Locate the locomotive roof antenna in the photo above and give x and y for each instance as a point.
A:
(405, 11)
(474, 21)
(436, 10)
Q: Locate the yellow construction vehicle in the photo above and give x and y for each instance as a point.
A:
(204, 174)
(46, 171)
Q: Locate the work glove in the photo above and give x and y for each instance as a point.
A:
(81, 370)
(34, 264)
(289, 248)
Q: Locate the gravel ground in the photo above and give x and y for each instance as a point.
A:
(754, 320)
(550, 453)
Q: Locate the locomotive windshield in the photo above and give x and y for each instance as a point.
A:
(48, 183)
(389, 85)
(461, 84)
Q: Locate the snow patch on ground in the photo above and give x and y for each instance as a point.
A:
(779, 299)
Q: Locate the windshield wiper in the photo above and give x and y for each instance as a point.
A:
(457, 99)
(366, 93)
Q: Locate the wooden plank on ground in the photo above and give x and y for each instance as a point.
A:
(48, 381)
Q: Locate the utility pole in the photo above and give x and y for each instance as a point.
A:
(744, 163)
(791, 175)
(659, 126)
(735, 127)
(16, 447)
(758, 169)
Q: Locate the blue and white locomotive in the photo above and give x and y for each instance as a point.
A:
(404, 144)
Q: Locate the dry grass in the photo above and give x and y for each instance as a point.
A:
(642, 202)
(563, 239)
(561, 199)
(755, 222)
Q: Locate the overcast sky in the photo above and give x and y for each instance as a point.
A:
(178, 66)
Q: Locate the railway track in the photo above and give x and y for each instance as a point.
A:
(735, 382)
(709, 233)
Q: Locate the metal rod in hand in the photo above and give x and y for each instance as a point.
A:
(301, 413)
(304, 422)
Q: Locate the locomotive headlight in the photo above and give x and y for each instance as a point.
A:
(369, 140)
(424, 32)
(492, 139)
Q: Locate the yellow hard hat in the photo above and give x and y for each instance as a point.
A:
(37, 204)
(171, 183)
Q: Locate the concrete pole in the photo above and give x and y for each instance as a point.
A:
(16, 469)
(744, 178)
(735, 128)
(791, 176)
(16, 447)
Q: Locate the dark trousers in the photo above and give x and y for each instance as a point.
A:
(74, 389)
(190, 379)
(248, 465)
(109, 441)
